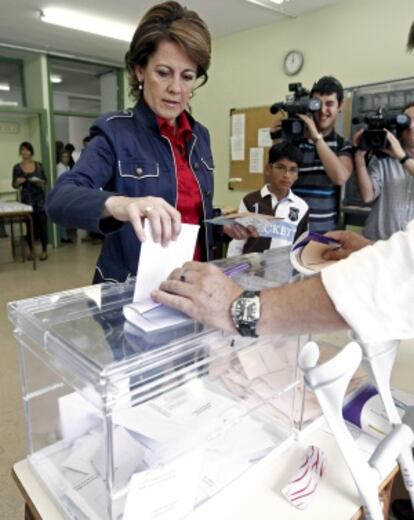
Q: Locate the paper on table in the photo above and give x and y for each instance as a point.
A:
(167, 492)
(157, 262)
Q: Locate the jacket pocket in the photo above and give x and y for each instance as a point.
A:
(136, 169)
(208, 163)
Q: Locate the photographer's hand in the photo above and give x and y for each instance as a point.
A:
(337, 168)
(395, 149)
(356, 141)
(314, 133)
(276, 131)
(363, 179)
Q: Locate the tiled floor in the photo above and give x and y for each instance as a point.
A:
(67, 267)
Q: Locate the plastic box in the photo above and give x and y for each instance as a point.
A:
(102, 405)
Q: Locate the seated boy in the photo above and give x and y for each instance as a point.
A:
(276, 198)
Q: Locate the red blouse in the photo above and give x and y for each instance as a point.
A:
(189, 202)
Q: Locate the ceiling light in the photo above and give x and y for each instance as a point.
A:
(87, 23)
(270, 4)
(54, 78)
(5, 86)
(8, 103)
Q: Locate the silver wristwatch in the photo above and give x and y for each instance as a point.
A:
(245, 313)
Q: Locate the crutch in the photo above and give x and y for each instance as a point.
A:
(329, 382)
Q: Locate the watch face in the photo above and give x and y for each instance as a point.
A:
(246, 310)
(293, 62)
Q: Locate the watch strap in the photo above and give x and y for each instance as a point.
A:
(404, 159)
(247, 330)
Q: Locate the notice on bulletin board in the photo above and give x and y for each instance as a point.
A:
(263, 138)
(237, 148)
(256, 160)
(238, 136)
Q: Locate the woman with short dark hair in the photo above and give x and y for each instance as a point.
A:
(151, 162)
(29, 177)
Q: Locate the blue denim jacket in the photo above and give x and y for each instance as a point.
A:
(127, 155)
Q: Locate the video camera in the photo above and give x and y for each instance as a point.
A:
(293, 128)
(374, 137)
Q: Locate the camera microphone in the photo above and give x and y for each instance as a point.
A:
(277, 107)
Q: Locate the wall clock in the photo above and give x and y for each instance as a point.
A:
(293, 62)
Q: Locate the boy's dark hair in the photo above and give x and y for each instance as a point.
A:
(328, 85)
(27, 145)
(285, 151)
(70, 148)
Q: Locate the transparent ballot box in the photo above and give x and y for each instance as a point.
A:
(115, 418)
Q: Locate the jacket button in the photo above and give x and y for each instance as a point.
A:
(196, 166)
(208, 193)
(138, 171)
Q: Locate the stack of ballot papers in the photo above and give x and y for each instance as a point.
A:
(188, 443)
(155, 265)
(265, 225)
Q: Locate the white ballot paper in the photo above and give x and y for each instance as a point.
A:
(155, 264)
(167, 492)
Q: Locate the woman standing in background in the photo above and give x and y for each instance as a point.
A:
(29, 177)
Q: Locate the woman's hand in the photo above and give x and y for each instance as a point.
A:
(19, 181)
(164, 219)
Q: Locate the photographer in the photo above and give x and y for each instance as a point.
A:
(388, 181)
(327, 157)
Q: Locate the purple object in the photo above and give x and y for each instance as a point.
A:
(316, 237)
(353, 410)
(238, 268)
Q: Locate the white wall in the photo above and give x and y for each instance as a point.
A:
(358, 41)
(78, 129)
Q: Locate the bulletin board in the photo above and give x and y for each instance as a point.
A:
(256, 120)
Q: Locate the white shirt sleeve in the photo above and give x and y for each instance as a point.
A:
(373, 289)
(376, 174)
(235, 247)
